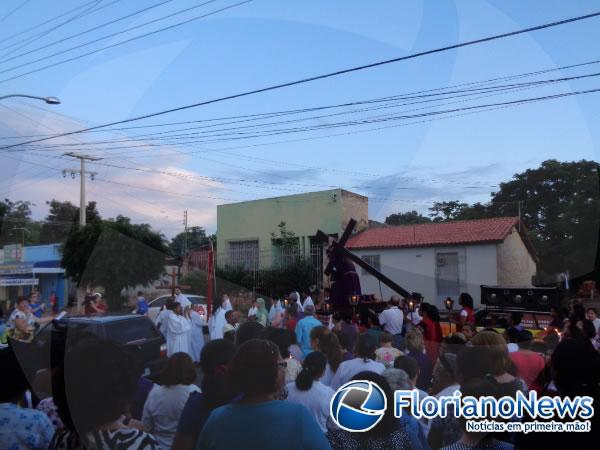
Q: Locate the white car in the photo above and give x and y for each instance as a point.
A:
(198, 304)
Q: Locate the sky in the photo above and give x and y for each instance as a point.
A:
(401, 165)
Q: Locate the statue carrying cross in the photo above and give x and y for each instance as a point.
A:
(345, 281)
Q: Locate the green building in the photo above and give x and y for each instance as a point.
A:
(245, 230)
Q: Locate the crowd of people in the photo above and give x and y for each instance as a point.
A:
(267, 382)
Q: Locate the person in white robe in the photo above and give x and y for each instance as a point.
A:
(276, 313)
(162, 316)
(295, 297)
(178, 331)
(218, 319)
(253, 310)
(185, 302)
(196, 335)
(308, 301)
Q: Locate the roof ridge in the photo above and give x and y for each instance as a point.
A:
(447, 222)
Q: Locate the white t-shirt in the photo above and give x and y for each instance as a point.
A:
(162, 411)
(350, 368)
(391, 320)
(316, 400)
(18, 314)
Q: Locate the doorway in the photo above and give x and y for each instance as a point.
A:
(447, 276)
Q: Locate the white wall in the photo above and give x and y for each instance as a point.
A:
(481, 268)
(516, 266)
(411, 268)
(414, 269)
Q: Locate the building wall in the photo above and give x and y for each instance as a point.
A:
(481, 268)
(50, 252)
(415, 270)
(355, 207)
(303, 214)
(411, 268)
(516, 266)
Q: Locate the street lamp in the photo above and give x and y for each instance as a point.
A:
(49, 100)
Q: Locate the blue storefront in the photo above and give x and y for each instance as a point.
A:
(35, 268)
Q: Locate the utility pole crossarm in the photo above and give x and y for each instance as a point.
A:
(82, 173)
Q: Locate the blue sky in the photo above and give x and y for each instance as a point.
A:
(267, 42)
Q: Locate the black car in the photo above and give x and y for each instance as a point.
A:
(137, 333)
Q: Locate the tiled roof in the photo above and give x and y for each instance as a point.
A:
(435, 234)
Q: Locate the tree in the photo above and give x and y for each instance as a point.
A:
(114, 254)
(443, 211)
(63, 216)
(196, 238)
(560, 205)
(283, 237)
(14, 215)
(406, 218)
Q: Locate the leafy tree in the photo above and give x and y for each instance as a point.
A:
(406, 218)
(114, 254)
(283, 237)
(441, 211)
(63, 216)
(560, 205)
(14, 215)
(275, 281)
(196, 237)
(288, 277)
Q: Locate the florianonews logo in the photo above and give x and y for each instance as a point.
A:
(358, 406)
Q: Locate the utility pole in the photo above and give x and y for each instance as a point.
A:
(23, 231)
(82, 173)
(185, 232)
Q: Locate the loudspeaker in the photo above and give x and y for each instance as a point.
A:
(526, 299)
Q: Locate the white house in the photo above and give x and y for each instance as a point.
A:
(441, 260)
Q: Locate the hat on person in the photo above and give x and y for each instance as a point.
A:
(309, 309)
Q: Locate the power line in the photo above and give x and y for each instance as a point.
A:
(322, 76)
(19, 33)
(34, 38)
(13, 11)
(135, 38)
(108, 36)
(258, 116)
(254, 182)
(372, 120)
(118, 19)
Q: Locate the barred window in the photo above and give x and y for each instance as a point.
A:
(373, 261)
(244, 254)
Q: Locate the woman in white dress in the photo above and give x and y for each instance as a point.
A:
(166, 400)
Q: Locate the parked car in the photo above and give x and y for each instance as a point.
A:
(137, 333)
(154, 306)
